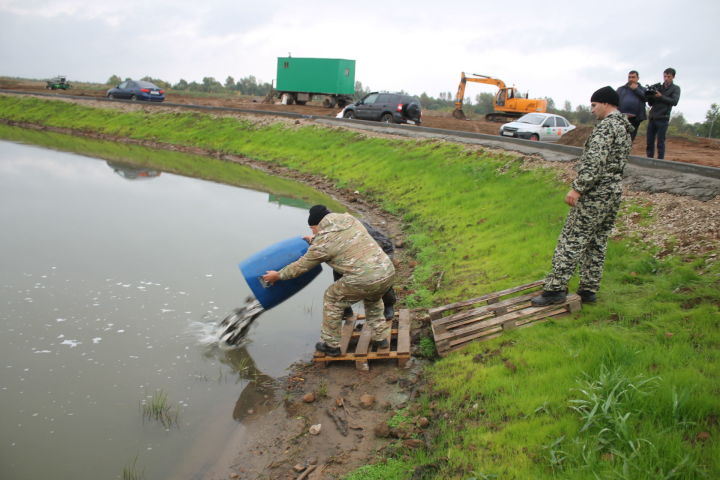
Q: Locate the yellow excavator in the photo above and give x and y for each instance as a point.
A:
(509, 103)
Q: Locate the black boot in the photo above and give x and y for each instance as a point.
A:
(327, 349)
(548, 298)
(389, 312)
(348, 312)
(587, 296)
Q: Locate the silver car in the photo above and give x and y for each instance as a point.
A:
(546, 127)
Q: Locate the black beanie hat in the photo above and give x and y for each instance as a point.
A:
(606, 95)
(317, 213)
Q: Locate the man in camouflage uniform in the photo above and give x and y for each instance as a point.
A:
(344, 244)
(595, 199)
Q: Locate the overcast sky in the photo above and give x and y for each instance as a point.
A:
(555, 48)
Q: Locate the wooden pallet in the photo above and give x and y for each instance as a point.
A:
(356, 345)
(485, 317)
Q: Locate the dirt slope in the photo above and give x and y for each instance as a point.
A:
(700, 151)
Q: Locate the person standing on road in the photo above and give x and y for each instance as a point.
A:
(632, 101)
(666, 96)
(595, 199)
(340, 240)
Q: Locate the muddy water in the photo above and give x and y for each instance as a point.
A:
(111, 282)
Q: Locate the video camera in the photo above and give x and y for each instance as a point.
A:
(651, 90)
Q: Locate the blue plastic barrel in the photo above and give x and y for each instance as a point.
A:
(276, 257)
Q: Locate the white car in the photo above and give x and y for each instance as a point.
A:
(547, 127)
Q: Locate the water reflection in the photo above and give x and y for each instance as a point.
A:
(132, 172)
(258, 395)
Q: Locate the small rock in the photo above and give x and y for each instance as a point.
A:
(382, 430)
(703, 436)
(669, 334)
(367, 400)
(391, 379)
(399, 243)
(309, 397)
(250, 411)
(423, 422)
(312, 461)
(234, 475)
(299, 468)
(413, 443)
(315, 429)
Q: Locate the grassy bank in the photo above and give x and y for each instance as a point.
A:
(624, 389)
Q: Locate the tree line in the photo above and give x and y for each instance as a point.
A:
(482, 103)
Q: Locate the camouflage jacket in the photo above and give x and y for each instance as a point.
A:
(346, 246)
(600, 167)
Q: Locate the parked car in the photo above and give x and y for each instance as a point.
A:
(547, 127)
(137, 90)
(386, 107)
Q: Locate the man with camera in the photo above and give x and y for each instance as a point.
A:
(632, 101)
(661, 97)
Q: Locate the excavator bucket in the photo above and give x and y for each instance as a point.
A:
(459, 114)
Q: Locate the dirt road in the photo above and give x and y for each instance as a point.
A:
(700, 151)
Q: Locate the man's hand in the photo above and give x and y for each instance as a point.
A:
(572, 197)
(271, 276)
(308, 238)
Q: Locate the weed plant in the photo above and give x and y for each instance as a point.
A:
(156, 408)
(626, 388)
(131, 472)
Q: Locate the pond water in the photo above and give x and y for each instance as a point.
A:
(111, 282)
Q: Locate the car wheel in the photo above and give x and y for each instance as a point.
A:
(111, 96)
(387, 118)
(349, 114)
(534, 137)
(133, 98)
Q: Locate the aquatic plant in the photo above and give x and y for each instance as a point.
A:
(155, 407)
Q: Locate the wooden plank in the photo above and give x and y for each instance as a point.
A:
(347, 333)
(437, 311)
(485, 309)
(364, 342)
(527, 311)
(403, 342)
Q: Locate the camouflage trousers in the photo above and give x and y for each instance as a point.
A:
(583, 242)
(341, 294)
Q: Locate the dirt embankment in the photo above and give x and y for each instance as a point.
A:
(699, 151)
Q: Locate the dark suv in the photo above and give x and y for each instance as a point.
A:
(386, 107)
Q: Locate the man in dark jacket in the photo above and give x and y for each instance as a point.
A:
(666, 96)
(632, 101)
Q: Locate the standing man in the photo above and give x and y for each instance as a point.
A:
(595, 199)
(632, 101)
(340, 240)
(661, 101)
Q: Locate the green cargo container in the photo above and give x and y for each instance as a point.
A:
(299, 79)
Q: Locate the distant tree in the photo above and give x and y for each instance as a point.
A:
(484, 103)
(583, 115)
(211, 85)
(195, 87)
(679, 126)
(114, 80)
(230, 83)
(713, 131)
(567, 106)
(156, 81)
(182, 84)
(550, 104)
(360, 91)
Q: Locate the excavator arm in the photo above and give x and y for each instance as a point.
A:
(460, 95)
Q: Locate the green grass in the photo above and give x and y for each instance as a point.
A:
(646, 354)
